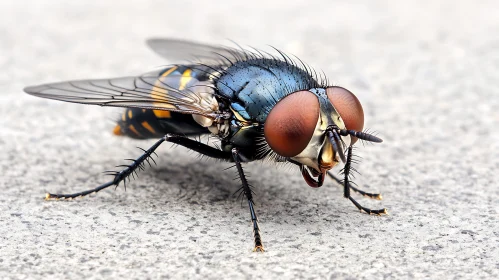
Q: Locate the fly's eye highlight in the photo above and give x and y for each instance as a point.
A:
(291, 123)
(349, 108)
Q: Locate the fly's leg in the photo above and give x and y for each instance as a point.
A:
(347, 186)
(249, 195)
(377, 196)
(118, 176)
(138, 164)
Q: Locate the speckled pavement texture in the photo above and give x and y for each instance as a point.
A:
(427, 73)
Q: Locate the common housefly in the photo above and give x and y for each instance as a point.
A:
(260, 106)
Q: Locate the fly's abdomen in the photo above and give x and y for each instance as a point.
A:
(145, 123)
(142, 124)
(138, 123)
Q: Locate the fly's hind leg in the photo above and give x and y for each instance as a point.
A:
(138, 164)
(195, 146)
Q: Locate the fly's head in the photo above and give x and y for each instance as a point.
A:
(313, 128)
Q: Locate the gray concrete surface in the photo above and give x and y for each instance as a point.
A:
(427, 73)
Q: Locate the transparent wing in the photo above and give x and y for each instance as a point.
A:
(157, 90)
(176, 50)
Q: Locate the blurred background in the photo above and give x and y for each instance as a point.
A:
(425, 71)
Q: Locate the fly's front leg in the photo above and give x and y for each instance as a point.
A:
(377, 196)
(347, 186)
(138, 164)
(249, 195)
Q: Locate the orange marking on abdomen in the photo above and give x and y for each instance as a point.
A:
(147, 126)
(159, 92)
(117, 130)
(132, 128)
(185, 79)
(130, 114)
(162, 114)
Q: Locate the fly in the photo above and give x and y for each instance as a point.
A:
(260, 107)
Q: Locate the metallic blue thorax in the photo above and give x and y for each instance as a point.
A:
(253, 88)
(256, 85)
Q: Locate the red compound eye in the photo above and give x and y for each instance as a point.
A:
(291, 123)
(349, 108)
